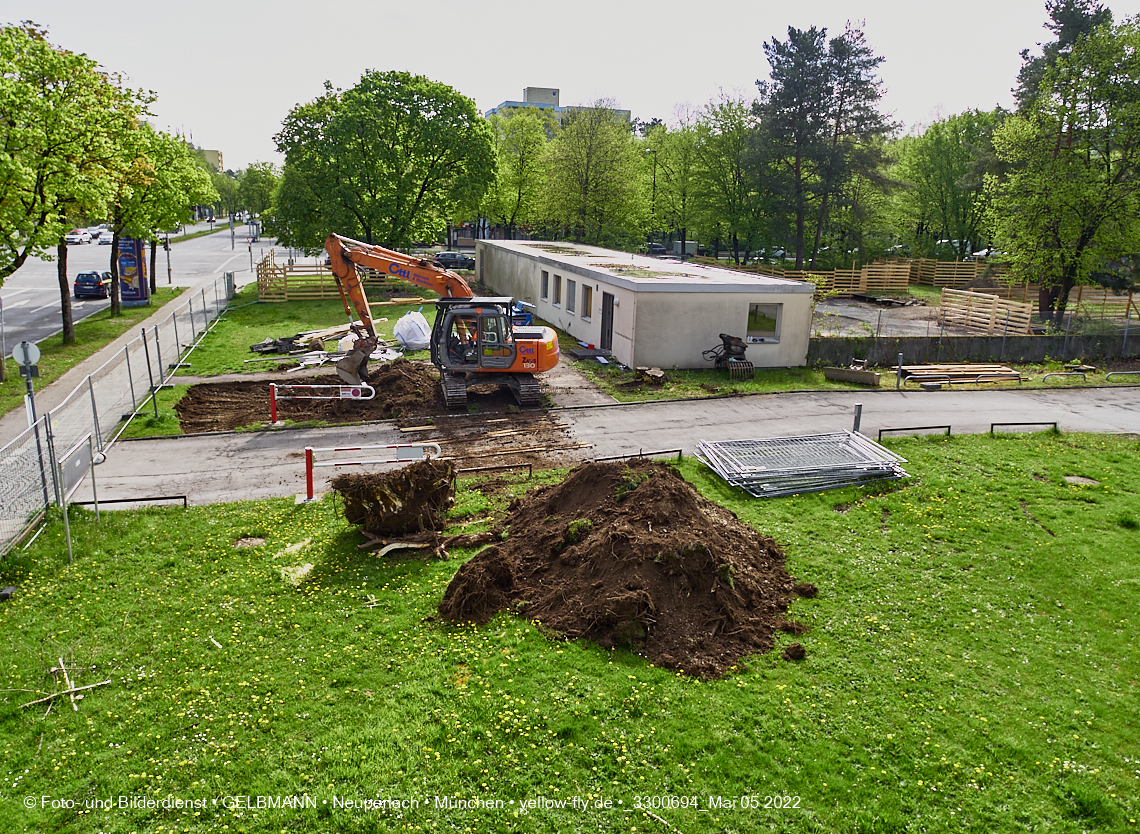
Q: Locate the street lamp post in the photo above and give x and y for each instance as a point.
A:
(653, 204)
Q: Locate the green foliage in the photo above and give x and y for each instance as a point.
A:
(1070, 200)
(629, 483)
(965, 669)
(594, 179)
(256, 185)
(942, 196)
(389, 161)
(62, 123)
(521, 136)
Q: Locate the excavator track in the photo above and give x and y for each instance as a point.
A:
(527, 390)
(454, 391)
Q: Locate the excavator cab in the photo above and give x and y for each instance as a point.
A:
(475, 341)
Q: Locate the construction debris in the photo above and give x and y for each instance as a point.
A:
(775, 466)
(952, 373)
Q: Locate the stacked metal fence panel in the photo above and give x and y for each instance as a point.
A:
(775, 466)
(97, 407)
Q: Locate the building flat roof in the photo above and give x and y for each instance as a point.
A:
(642, 273)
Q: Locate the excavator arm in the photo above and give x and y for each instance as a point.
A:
(346, 259)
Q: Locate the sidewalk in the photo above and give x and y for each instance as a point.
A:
(54, 394)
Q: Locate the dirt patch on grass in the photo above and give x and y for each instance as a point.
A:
(403, 389)
(629, 554)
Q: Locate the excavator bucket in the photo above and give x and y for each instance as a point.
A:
(350, 368)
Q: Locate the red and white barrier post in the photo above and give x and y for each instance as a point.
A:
(404, 453)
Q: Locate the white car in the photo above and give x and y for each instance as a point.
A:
(106, 237)
(77, 236)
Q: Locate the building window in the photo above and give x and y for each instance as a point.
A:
(763, 323)
(587, 301)
(571, 291)
(545, 284)
(557, 289)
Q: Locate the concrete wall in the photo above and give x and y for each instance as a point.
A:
(674, 328)
(922, 350)
(663, 329)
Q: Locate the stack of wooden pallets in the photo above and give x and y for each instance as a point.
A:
(958, 373)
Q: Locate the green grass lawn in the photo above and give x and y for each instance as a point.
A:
(91, 335)
(972, 665)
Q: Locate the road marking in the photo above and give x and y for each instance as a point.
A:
(18, 292)
(8, 306)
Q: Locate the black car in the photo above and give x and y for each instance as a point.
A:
(655, 249)
(93, 285)
(454, 260)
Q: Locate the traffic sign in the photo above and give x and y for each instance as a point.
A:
(26, 353)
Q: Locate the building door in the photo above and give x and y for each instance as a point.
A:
(607, 321)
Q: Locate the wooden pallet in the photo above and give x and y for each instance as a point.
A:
(967, 372)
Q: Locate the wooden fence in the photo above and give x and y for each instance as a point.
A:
(984, 314)
(310, 282)
(876, 277)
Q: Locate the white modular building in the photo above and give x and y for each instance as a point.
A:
(651, 312)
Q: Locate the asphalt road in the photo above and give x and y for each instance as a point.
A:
(228, 467)
(30, 296)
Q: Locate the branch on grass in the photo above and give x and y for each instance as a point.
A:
(64, 692)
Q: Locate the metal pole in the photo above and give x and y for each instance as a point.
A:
(309, 472)
(57, 482)
(878, 328)
(94, 411)
(1065, 344)
(40, 456)
(161, 368)
(177, 341)
(205, 315)
(1124, 344)
(130, 378)
(898, 374)
(190, 304)
(150, 373)
(94, 492)
(858, 417)
(169, 278)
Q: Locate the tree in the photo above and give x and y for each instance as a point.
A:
(675, 179)
(942, 173)
(60, 122)
(1070, 20)
(731, 202)
(594, 169)
(256, 185)
(1070, 202)
(390, 160)
(821, 123)
(521, 136)
(156, 182)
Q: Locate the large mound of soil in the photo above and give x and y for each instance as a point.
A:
(630, 554)
(403, 389)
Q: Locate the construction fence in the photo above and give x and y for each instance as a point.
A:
(314, 282)
(97, 411)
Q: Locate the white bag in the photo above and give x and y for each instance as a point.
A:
(413, 331)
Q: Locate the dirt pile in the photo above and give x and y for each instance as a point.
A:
(630, 554)
(411, 499)
(403, 389)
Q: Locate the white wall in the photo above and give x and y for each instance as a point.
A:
(672, 328)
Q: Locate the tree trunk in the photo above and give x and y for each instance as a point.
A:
(116, 304)
(65, 295)
(153, 260)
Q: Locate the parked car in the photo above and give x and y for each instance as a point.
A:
(655, 249)
(454, 260)
(92, 285)
(77, 236)
(106, 237)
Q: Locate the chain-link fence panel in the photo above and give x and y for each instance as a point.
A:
(99, 406)
(26, 483)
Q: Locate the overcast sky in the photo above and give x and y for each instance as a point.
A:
(228, 73)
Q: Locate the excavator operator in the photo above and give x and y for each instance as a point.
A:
(461, 347)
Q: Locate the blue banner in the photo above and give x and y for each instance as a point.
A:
(134, 288)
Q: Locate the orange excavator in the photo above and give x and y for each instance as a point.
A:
(474, 340)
